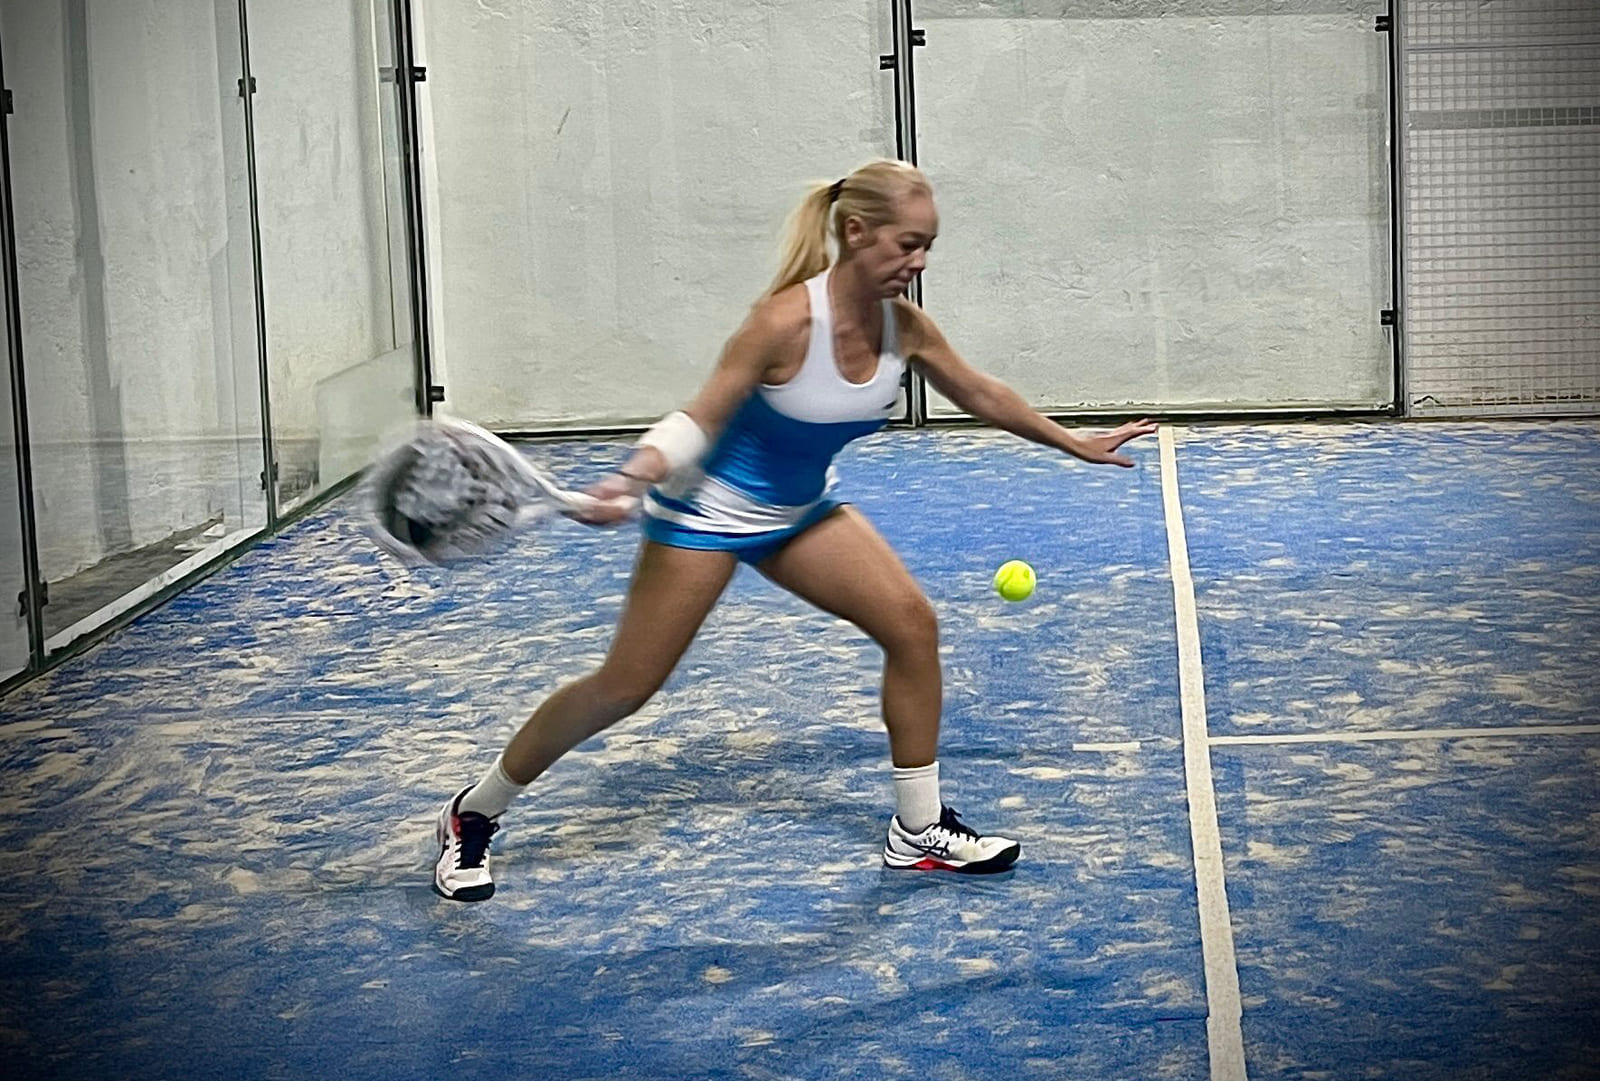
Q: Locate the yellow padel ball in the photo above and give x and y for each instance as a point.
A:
(1014, 580)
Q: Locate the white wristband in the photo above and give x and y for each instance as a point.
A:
(678, 439)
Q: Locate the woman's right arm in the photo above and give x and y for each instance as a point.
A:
(775, 327)
(748, 356)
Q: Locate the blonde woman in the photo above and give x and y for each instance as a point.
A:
(743, 474)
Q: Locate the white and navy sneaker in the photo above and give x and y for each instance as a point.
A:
(462, 873)
(948, 845)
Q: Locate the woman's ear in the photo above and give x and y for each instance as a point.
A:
(856, 233)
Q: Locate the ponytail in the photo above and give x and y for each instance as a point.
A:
(804, 251)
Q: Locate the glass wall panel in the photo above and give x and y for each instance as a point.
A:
(14, 646)
(340, 358)
(1161, 202)
(611, 180)
(397, 247)
(138, 323)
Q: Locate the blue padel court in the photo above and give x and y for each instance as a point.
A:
(1376, 655)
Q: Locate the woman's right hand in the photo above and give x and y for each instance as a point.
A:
(616, 500)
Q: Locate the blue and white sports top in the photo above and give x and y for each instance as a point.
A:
(773, 462)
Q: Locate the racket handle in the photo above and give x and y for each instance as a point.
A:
(571, 503)
(580, 504)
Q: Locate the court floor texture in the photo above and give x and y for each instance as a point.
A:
(1300, 733)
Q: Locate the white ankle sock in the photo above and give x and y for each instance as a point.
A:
(492, 795)
(916, 796)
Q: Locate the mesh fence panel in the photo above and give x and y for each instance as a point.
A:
(1502, 206)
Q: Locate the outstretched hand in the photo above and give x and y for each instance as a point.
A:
(1102, 448)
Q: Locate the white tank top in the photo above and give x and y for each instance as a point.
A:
(774, 460)
(819, 392)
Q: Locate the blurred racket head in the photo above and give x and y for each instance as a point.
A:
(448, 491)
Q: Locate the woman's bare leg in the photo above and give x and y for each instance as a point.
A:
(673, 591)
(845, 567)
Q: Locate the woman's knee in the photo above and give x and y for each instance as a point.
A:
(908, 624)
(621, 693)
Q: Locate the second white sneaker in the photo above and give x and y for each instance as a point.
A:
(948, 845)
(462, 870)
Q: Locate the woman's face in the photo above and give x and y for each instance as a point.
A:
(891, 255)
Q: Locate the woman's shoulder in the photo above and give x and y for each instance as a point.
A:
(783, 316)
(911, 321)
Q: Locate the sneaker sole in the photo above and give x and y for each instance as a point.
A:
(466, 893)
(996, 863)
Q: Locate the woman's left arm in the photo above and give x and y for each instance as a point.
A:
(993, 402)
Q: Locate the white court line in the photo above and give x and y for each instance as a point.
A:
(1224, 1009)
(1415, 733)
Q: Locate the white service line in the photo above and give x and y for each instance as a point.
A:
(1415, 733)
(1224, 1010)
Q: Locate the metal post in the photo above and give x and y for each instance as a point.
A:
(247, 91)
(905, 134)
(905, 101)
(1396, 207)
(33, 588)
(407, 76)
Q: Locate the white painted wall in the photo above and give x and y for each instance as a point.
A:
(1179, 203)
(612, 176)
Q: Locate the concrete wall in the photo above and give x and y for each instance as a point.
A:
(611, 180)
(1176, 203)
(1144, 202)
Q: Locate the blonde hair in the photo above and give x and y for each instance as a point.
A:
(869, 193)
